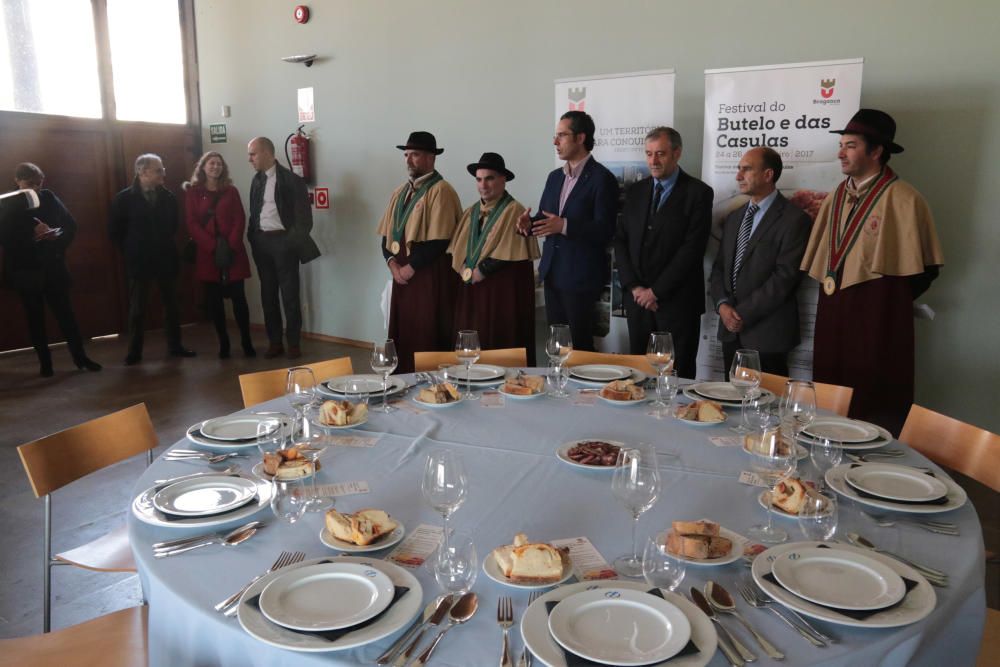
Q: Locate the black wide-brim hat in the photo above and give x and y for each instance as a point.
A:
(492, 161)
(421, 141)
(878, 125)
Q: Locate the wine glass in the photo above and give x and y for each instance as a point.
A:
(660, 568)
(660, 355)
(270, 435)
(300, 388)
(559, 347)
(667, 386)
(636, 484)
(825, 454)
(467, 349)
(745, 376)
(798, 407)
(818, 516)
(444, 484)
(288, 499)
(456, 564)
(557, 378)
(384, 362)
(774, 460)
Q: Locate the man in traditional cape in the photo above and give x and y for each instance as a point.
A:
(495, 263)
(416, 229)
(874, 250)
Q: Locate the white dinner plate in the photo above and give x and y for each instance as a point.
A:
(477, 373)
(916, 605)
(397, 617)
(331, 427)
(563, 453)
(522, 397)
(835, 480)
(735, 552)
(881, 440)
(696, 423)
(625, 404)
(842, 430)
(233, 427)
(718, 391)
(437, 406)
(195, 435)
(838, 579)
(600, 372)
(691, 392)
(326, 596)
(637, 377)
(384, 542)
(895, 482)
(258, 470)
(619, 626)
(535, 634)
(204, 496)
(494, 572)
(338, 386)
(142, 508)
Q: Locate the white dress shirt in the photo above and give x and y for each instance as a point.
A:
(269, 219)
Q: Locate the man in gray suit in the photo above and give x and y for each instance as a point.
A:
(756, 271)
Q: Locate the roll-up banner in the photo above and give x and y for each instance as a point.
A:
(624, 108)
(792, 109)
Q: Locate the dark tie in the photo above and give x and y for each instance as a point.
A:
(257, 198)
(743, 240)
(657, 193)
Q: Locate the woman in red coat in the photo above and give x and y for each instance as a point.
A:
(215, 215)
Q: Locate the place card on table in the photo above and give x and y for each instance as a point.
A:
(414, 550)
(585, 397)
(342, 489)
(492, 399)
(588, 563)
(726, 440)
(352, 440)
(409, 406)
(753, 479)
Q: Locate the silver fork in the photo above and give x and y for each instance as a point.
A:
(941, 527)
(229, 606)
(763, 598)
(748, 596)
(505, 619)
(526, 658)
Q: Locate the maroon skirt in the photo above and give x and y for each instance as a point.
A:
(501, 308)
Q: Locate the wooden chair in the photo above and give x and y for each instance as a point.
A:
(636, 361)
(266, 385)
(832, 397)
(113, 640)
(56, 460)
(989, 650)
(970, 450)
(510, 357)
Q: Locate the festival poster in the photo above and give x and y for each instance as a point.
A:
(624, 108)
(792, 109)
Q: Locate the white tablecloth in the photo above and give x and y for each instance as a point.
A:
(518, 484)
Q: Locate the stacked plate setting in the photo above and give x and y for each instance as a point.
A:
(723, 393)
(852, 434)
(330, 604)
(202, 501)
(899, 488)
(844, 585)
(339, 387)
(598, 375)
(616, 623)
(232, 431)
(478, 375)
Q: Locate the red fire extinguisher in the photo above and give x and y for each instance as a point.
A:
(298, 159)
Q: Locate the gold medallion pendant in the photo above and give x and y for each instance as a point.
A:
(394, 248)
(829, 285)
(466, 274)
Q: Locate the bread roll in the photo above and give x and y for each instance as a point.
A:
(698, 546)
(362, 527)
(695, 527)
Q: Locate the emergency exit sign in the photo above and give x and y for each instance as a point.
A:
(217, 133)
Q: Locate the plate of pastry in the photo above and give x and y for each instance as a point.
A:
(622, 392)
(364, 530)
(285, 464)
(789, 496)
(524, 387)
(590, 454)
(703, 542)
(441, 395)
(701, 413)
(527, 565)
(342, 414)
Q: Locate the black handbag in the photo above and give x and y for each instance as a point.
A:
(223, 254)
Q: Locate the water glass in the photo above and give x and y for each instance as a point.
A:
(559, 347)
(467, 349)
(667, 386)
(300, 389)
(270, 435)
(636, 485)
(384, 362)
(456, 564)
(825, 454)
(660, 355)
(660, 568)
(818, 517)
(556, 379)
(288, 499)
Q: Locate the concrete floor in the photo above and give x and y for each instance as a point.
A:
(177, 393)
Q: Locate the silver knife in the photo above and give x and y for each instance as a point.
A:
(398, 645)
(170, 544)
(436, 618)
(735, 658)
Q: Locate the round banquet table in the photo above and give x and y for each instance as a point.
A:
(517, 484)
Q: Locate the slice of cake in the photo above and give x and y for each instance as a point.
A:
(362, 527)
(342, 413)
(525, 385)
(710, 411)
(623, 390)
(439, 393)
(526, 563)
(698, 546)
(286, 464)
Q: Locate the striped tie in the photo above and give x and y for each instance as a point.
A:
(743, 240)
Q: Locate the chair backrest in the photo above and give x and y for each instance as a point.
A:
(636, 361)
(832, 397)
(510, 357)
(266, 385)
(58, 459)
(970, 450)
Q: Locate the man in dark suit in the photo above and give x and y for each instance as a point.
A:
(659, 246)
(280, 222)
(144, 225)
(756, 271)
(576, 216)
